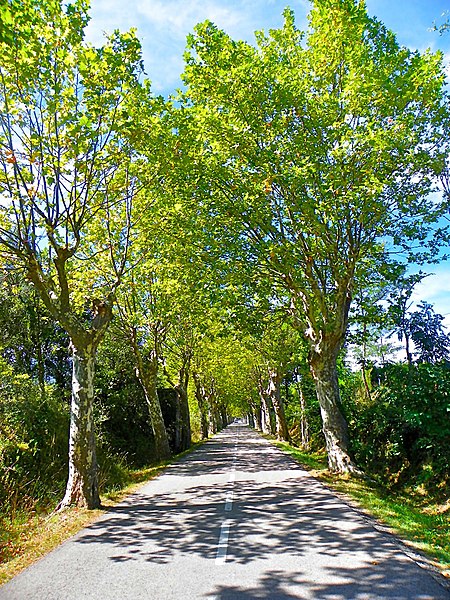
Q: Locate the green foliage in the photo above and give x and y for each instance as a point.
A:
(431, 342)
(29, 339)
(123, 430)
(308, 146)
(33, 442)
(273, 188)
(401, 434)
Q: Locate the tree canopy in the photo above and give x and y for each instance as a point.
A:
(231, 232)
(320, 150)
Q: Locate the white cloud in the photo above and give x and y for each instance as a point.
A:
(435, 289)
(162, 27)
(180, 17)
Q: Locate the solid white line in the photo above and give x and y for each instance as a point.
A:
(232, 476)
(221, 555)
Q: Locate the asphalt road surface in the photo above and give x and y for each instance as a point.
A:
(235, 519)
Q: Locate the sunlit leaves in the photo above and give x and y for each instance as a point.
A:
(312, 142)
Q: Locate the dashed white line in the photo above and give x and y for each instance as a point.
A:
(229, 501)
(221, 555)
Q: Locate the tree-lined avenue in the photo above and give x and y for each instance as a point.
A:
(236, 518)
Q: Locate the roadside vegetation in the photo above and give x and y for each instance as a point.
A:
(249, 247)
(419, 519)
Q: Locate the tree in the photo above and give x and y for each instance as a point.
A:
(431, 342)
(30, 340)
(65, 169)
(316, 149)
(273, 353)
(371, 319)
(144, 327)
(399, 305)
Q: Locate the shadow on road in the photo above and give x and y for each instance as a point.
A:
(356, 584)
(293, 515)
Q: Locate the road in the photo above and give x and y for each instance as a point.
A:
(235, 519)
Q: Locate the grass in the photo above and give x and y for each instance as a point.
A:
(28, 536)
(422, 522)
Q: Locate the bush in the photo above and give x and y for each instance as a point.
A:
(402, 433)
(33, 442)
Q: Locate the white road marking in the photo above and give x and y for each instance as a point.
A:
(232, 476)
(229, 501)
(222, 547)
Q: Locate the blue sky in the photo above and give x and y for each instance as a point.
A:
(162, 26)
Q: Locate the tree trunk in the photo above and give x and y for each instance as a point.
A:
(219, 419)
(365, 382)
(266, 421)
(409, 357)
(183, 419)
(200, 394)
(256, 410)
(304, 427)
(363, 364)
(149, 385)
(147, 373)
(82, 483)
(224, 416)
(212, 425)
(324, 371)
(274, 393)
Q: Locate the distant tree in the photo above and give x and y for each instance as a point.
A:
(398, 311)
(431, 342)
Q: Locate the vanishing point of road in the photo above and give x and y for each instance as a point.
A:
(234, 519)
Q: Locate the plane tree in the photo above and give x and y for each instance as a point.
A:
(66, 165)
(316, 153)
(142, 320)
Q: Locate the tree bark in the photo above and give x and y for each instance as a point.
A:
(409, 357)
(224, 416)
(266, 421)
(274, 393)
(82, 483)
(256, 411)
(324, 371)
(202, 401)
(212, 420)
(149, 385)
(364, 363)
(304, 427)
(183, 439)
(147, 373)
(183, 419)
